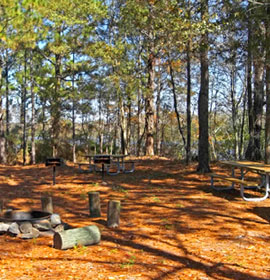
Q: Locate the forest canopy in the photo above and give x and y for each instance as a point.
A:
(185, 79)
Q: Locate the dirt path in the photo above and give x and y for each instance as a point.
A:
(173, 226)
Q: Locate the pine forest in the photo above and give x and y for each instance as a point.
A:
(183, 79)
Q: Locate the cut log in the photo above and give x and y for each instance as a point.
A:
(1, 205)
(113, 213)
(94, 204)
(76, 237)
(46, 204)
(59, 228)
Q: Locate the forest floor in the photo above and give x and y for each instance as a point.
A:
(173, 226)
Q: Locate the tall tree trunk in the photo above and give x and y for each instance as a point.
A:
(258, 107)
(7, 102)
(43, 110)
(188, 145)
(128, 129)
(100, 122)
(149, 107)
(203, 155)
(267, 79)
(158, 101)
(140, 99)
(56, 107)
(139, 117)
(253, 151)
(175, 103)
(243, 117)
(33, 117)
(234, 111)
(3, 156)
(23, 121)
(122, 125)
(73, 113)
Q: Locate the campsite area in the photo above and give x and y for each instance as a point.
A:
(172, 226)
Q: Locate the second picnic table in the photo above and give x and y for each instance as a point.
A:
(245, 166)
(109, 160)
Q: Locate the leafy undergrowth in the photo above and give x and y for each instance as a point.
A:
(173, 226)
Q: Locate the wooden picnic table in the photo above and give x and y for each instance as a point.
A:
(117, 159)
(263, 170)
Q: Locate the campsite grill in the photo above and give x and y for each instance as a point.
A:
(54, 162)
(103, 159)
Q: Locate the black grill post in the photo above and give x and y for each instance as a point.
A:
(54, 162)
(103, 159)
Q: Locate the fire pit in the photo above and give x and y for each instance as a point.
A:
(23, 216)
(29, 224)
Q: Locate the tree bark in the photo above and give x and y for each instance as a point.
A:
(76, 237)
(33, 117)
(56, 107)
(158, 102)
(267, 79)
(253, 151)
(123, 125)
(94, 204)
(175, 103)
(139, 117)
(203, 155)
(188, 145)
(7, 102)
(47, 204)
(113, 213)
(3, 156)
(149, 107)
(255, 101)
(73, 113)
(24, 96)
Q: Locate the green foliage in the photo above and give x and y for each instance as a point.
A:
(43, 150)
(87, 59)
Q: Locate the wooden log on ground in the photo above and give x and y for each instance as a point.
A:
(94, 204)
(76, 237)
(47, 204)
(113, 213)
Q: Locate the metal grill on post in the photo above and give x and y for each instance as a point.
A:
(103, 159)
(54, 162)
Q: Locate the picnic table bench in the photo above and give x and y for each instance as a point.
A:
(113, 164)
(89, 166)
(261, 169)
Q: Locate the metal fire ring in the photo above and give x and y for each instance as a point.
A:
(23, 216)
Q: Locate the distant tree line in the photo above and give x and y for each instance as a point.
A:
(185, 79)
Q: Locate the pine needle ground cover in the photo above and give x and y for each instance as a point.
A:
(172, 226)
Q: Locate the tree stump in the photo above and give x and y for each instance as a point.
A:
(46, 204)
(78, 236)
(94, 204)
(1, 206)
(113, 213)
